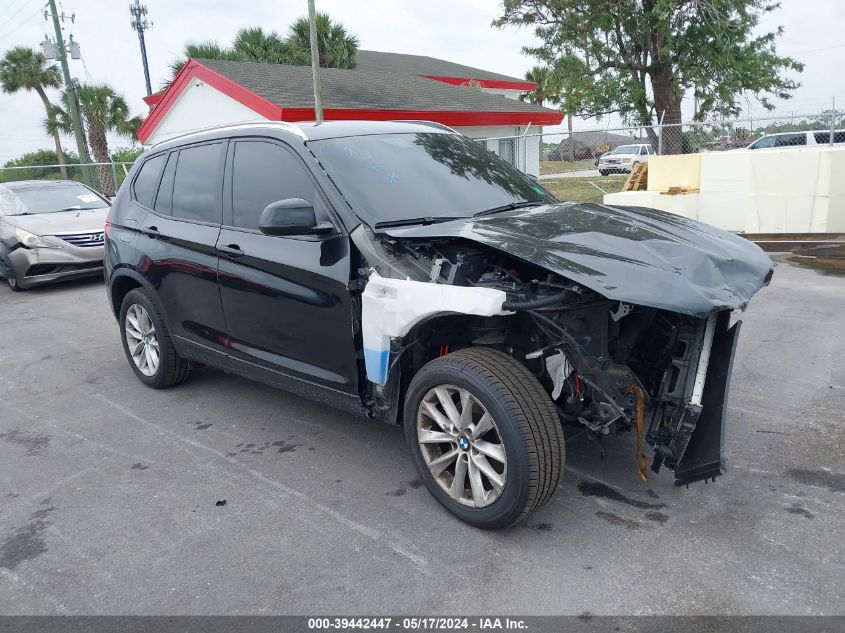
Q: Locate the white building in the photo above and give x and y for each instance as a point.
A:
(384, 86)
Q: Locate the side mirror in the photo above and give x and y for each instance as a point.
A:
(293, 216)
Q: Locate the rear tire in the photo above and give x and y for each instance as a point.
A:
(524, 446)
(157, 364)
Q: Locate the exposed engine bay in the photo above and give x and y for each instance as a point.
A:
(608, 365)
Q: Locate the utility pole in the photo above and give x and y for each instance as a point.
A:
(315, 61)
(72, 105)
(140, 24)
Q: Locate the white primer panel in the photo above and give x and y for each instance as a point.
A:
(391, 307)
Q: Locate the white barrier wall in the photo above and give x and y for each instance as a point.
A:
(763, 191)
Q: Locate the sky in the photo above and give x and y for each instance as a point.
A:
(456, 30)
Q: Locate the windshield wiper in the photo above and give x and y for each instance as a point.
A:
(508, 207)
(424, 220)
(79, 208)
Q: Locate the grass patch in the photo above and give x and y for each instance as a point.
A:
(561, 166)
(580, 189)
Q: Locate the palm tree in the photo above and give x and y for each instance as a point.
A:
(253, 44)
(547, 86)
(337, 48)
(102, 110)
(547, 89)
(25, 69)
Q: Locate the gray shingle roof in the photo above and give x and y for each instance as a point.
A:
(359, 89)
(421, 65)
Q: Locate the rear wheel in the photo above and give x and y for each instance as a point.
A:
(485, 436)
(147, 343)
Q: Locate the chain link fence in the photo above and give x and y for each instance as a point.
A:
(104, 177)
(585, 164)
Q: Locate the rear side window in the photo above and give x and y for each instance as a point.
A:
(823, 138)
(196, 184)
(164, 199)
(146, 182)
(790, 140)
(263, 173)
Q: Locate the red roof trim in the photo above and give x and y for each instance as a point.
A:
(450, 118)
(153, 99)
(485, 83)
(195, 70)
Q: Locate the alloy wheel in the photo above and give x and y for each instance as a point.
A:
(461, 446)
(141, 339)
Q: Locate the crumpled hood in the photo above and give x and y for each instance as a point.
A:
(77, 221)
(631, 254)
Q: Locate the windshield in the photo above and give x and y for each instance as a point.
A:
(627, 149)
(390, 177)
(48, 199)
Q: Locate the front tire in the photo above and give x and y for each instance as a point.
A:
(147, 344)
(8, 271)
(485, 436)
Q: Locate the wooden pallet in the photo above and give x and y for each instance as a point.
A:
(638, 178)
(679, 191)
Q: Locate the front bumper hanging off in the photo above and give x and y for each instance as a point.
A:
(703, 458)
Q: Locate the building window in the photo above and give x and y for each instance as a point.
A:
(507, 150)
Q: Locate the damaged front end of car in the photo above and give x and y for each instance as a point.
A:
(609, 364)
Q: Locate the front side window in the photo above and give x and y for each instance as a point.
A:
(196, 184)
(763, 143)
(146, 182)
(387, 177)
(262, 173)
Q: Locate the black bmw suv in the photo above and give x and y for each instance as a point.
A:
(403, 272)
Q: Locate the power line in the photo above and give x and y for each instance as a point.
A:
(12, 17)
(20, 24)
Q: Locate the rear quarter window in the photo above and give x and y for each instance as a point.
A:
(146, 182)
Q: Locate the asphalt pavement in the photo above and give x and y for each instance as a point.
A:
(113, 494)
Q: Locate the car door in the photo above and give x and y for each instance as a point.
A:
(285, 298)
(179, 243)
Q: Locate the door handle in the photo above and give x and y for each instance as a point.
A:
(150, 231)
(230, 250)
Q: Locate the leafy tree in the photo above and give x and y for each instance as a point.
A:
(641, 57)
(25, 69)
(102, 110)
(127, 154)
(337, 47)
(38, 162)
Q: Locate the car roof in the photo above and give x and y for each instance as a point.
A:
(306, 131)
(37, 184)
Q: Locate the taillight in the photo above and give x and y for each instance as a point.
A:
(107, 227)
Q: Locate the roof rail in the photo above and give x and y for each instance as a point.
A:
(428, 123)
(290, 127)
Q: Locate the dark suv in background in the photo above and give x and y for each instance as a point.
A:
(403, 272)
